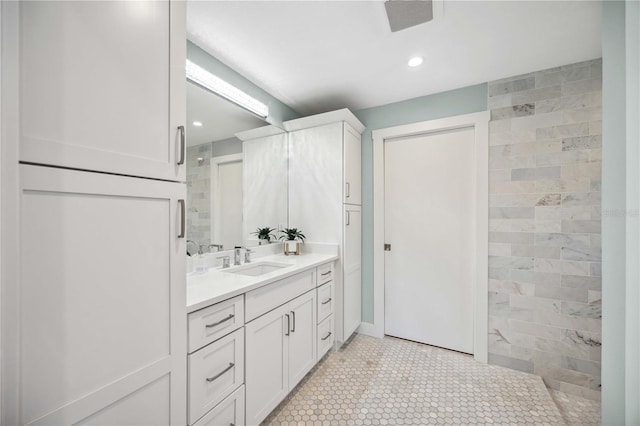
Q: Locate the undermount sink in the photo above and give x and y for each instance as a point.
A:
(257, 268)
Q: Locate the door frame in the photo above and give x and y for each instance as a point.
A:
(215, 164)
(480, 123)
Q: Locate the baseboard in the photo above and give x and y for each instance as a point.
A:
(369, 329)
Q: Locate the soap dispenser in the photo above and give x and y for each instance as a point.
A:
(200, 263)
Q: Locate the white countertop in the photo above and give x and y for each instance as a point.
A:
(217, 285)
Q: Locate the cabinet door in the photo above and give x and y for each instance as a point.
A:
(266, 361)
(352, 166)
(102, 324)
(352, 279)
(102, 86)
(228, 412)
(302, 338)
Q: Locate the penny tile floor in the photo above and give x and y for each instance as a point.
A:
(392, 381)
(575, 410)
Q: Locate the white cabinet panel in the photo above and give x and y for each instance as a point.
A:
(352, 166)
(147, 406)
(102, 86)
(263, 299)
(281, 349)
(102, 281)
(325, 336)
(302, 339)
(352, 280)
(214, 372)
(228, 412)
(266, 364)
(325, 273)
(325, 301)
(213, 322)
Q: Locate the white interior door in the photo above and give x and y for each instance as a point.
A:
(430, 224)
(227, 204)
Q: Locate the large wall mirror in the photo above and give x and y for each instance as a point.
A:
(233, 186)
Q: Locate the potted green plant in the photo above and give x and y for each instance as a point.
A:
(265, 235)
(293, 238)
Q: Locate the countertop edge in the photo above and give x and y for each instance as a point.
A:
(242, 290)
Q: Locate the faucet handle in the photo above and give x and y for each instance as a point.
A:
(225, 261)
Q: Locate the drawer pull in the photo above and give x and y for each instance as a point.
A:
(293, 329)
(327, 336)
(182, 145)
(326, 301)
(211, 379)
(220, 322)
(288, 325)
(325, 274)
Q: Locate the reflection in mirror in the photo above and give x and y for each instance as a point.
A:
(219, 173)
(265, 181)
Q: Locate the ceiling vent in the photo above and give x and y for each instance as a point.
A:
(404, 14)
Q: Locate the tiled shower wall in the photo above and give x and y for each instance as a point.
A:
(544, 225)
(198, 194)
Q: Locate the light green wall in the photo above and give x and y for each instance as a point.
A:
(278, 112)
(455, 102)
(632, 337)
(613, 207)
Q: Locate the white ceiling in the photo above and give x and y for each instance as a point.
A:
(220, 118)
(317, 56)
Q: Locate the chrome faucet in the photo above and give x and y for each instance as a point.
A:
(247, 255)
(219, 247)
(236, 255)
(225, 261)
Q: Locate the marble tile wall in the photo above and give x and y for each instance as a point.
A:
(198, 193)
(544, 225)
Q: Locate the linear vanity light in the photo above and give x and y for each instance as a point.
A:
(220, 87)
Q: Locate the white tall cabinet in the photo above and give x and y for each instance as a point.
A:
(325, 200)
(93, 265)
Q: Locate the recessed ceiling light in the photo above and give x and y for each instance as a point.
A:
(415, 61)
(197, 124)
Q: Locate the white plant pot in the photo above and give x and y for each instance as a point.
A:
(292, 247)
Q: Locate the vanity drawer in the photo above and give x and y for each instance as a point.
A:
(325, 336)
(325, 301)
(215, 321)
(325, 273)
(228, 412)
(214, 372)
(264, 299)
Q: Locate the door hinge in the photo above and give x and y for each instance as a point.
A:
(387, 247)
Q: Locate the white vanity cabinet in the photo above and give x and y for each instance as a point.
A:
(102, 86)
(325, 198)
(281, 349)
